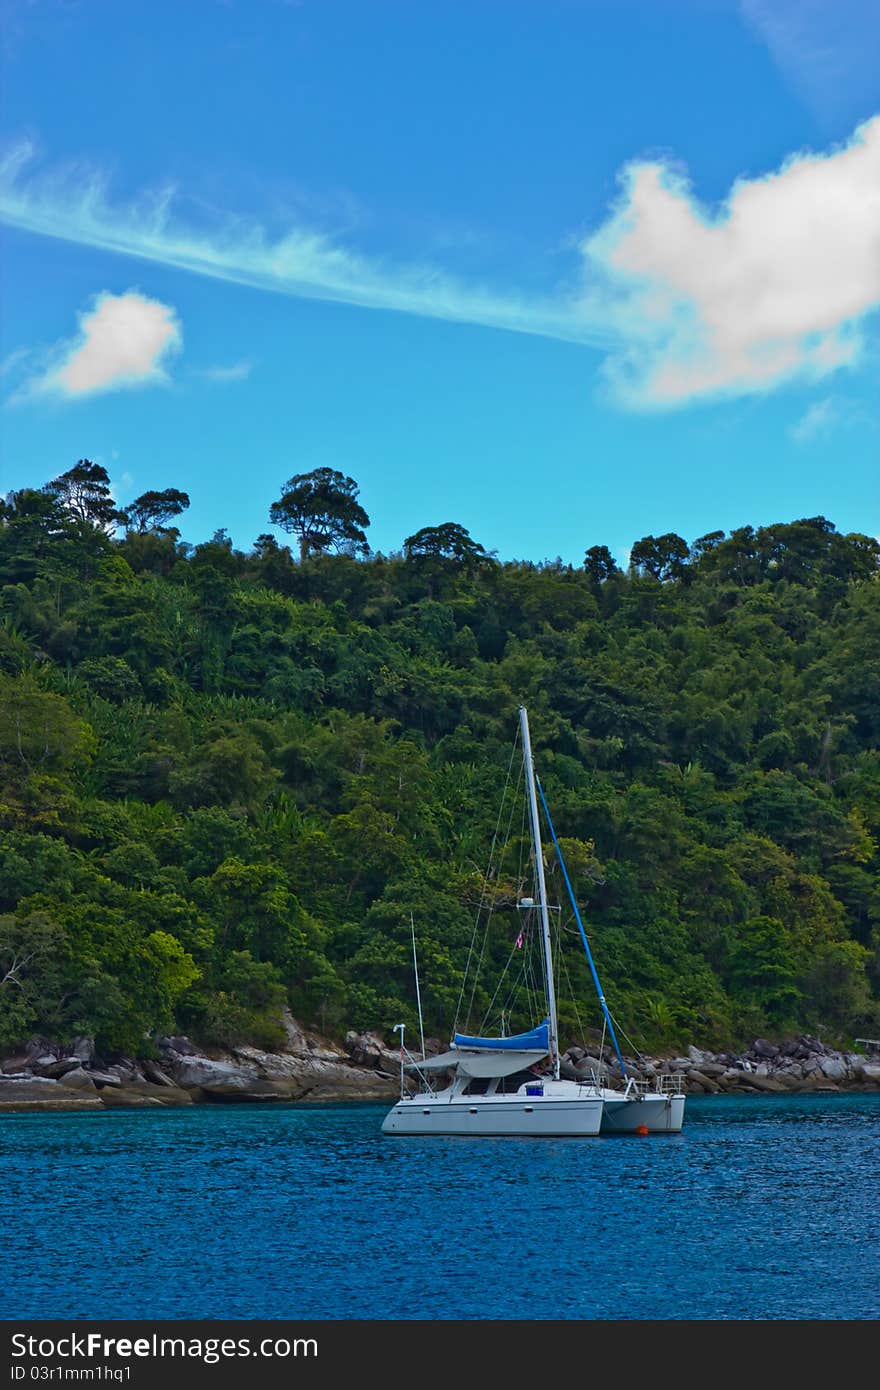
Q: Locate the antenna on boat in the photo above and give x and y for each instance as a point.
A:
(401, 1029)
(542, 889)
(418, 991)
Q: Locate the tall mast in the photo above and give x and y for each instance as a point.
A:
(542, 889)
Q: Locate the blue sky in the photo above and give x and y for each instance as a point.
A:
(565, 272)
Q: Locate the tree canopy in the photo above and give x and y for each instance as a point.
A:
(152, 511)
(322, 509)
(227, 778)
(84, 491)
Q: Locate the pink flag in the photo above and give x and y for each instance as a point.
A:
(519, 941)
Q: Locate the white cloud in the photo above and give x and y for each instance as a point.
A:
(686, 302)
(236, 371)
(123, 341)
(772, 287)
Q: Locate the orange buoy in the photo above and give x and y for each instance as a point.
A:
(642, 1129)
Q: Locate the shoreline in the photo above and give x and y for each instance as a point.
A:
(46, 1077)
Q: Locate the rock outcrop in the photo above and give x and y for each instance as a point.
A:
(309, 1068)
(43, 1076)
(799, 1064)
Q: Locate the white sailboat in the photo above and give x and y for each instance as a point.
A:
(512, 1085)
(477, 1101)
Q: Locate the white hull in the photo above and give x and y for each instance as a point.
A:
(659, 1114)
(560, 1111)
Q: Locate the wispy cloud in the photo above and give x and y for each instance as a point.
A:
(13, 360)
(816, 422)
(832, 415)
(73, 205)
(123, 341)
(236, 371)
(122, 486)
(772, 287)
(826, 52)
(686, 302)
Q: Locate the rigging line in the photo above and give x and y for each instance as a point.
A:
(636, 1050)
(577, 1013)
(577, 914)
(522, 842)
(412, 924)
(521, 985)
(522, 982)
(485, 883)
(536, 991)
(491, 1003)
(506, 1005)
(499, 873)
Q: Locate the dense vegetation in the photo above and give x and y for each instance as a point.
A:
(228, 778)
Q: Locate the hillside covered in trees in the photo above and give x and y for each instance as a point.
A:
(229, 778)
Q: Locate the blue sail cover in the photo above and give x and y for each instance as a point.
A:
(538, 1040)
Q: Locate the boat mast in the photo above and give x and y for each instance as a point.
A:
(542, 889)
(418, 991)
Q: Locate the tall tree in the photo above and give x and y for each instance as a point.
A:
(447, 542)
(152, 511)
(322, 509)
(84, 491)
(599, 563)
(663, 557)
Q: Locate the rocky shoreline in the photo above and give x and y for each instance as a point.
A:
(312, 1069)
(49, 1077)
(799, 1064)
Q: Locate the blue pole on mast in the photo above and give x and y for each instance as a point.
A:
(572, 900)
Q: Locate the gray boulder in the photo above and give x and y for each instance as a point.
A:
(83, 1050)
(180, 1045)
(54, 1069)
(31, 1087)
(38, 1062)
(145, 1094)
(77, 1080)
(764, 1083)
(156, 1074)
(366, 1050)
(221, 1080)
(708, 1083)
(25, 1093)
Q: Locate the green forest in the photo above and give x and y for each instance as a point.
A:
(230, 778)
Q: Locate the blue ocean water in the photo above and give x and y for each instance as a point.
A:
(764, 1207)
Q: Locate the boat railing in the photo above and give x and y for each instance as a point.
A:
(666, 1084)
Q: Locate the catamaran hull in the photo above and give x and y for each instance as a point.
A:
(658, 1114)
(536, 1116)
